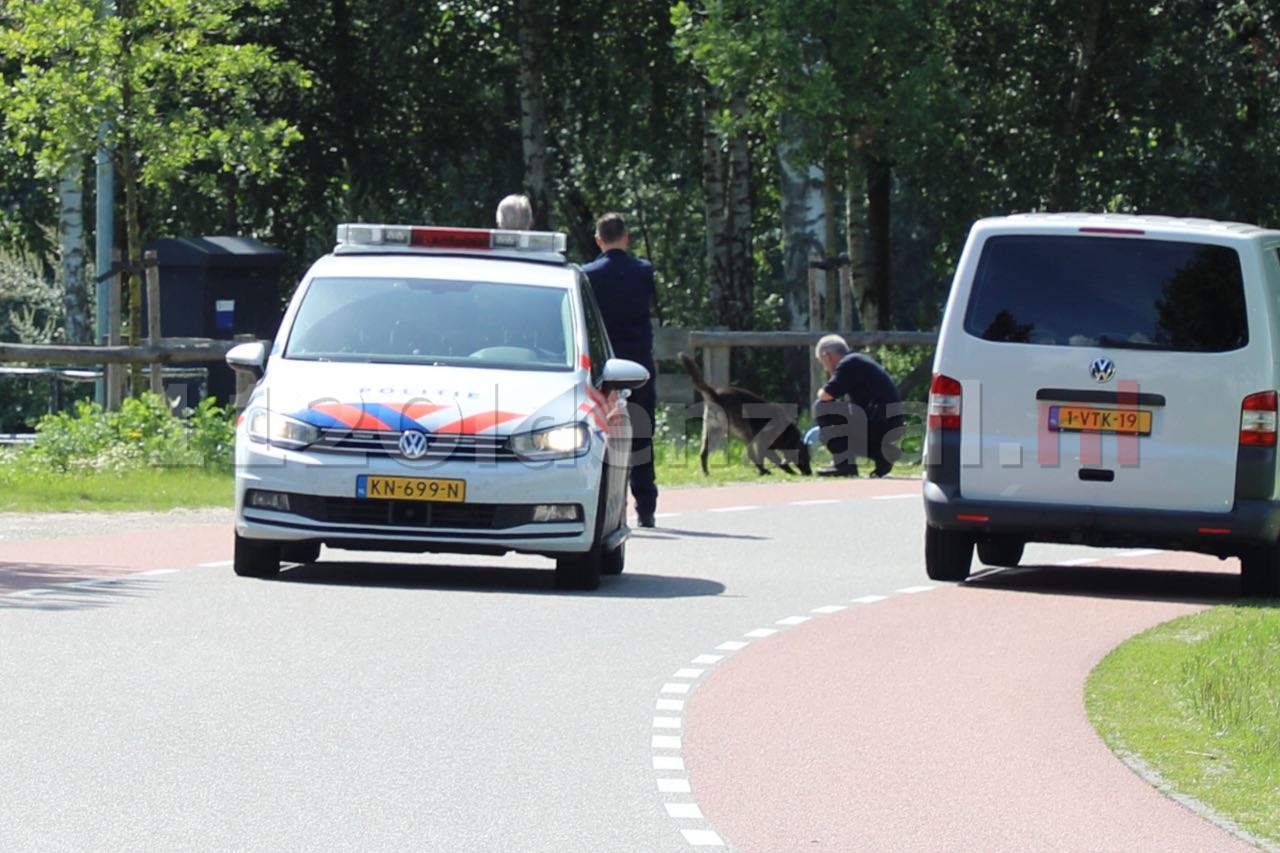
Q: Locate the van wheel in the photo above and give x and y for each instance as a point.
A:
(256, 559)
(947, 554)
(1260, 572)
(615, 560)
(1004, 553)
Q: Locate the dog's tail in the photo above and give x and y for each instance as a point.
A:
(699, 381)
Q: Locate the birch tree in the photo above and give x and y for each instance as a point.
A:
(176, 82)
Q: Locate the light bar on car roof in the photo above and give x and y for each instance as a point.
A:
(355, 235)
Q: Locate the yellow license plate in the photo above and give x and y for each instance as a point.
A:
(1093, 419)
(411, 489)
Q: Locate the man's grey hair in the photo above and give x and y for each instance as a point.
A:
(831, 343)
(515, 212)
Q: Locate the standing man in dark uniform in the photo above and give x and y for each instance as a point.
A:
(856, 410)
(623, 287)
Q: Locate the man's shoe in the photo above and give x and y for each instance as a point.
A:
(883, 469)
(838, 471)
(646, 519)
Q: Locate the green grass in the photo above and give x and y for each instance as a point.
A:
(1197, 699)
(24, 490)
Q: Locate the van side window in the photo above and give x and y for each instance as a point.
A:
(1130, 293)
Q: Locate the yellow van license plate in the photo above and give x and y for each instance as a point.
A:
(1091, 419)
(411, 489)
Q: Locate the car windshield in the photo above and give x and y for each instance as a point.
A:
(1125, 293)
(432, 321)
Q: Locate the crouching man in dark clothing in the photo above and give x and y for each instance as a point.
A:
(857, 411)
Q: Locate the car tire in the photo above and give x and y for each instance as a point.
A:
(1260, 572)
(615, 560)
(300, 552)
(1004, 553)
(947, 554)
(256, 559)
(579, 571)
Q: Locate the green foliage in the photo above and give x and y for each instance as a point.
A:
(142, 433)
(174, 77)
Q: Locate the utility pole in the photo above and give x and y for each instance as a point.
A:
(104, 232)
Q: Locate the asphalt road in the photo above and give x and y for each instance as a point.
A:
(772, 673)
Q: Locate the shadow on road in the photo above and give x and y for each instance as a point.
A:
(532, 581)
(678, 533)
(49, 587)
(1100, 581)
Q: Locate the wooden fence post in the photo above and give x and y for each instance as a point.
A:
(115, 373)
(151, 266)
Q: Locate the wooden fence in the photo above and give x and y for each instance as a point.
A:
(674, 386)
(717, 349)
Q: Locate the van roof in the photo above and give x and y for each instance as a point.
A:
(1164, 224)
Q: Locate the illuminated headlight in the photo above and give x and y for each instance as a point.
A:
(555, 443)
(280, 430)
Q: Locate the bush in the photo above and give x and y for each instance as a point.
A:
(143, 433)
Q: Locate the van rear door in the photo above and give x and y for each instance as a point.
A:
(1113, 366)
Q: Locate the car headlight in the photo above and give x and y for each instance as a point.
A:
(559, 442)
(280, 430)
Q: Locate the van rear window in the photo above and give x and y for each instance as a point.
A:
(1111, 292)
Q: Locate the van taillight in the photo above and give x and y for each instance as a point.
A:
(944, 403)
(1258, 419)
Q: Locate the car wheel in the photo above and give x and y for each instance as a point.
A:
(579, 571)
(947, 554)
(582, 571)
(256, 559)
(300, 552)
(615, 560)
(1260, 572)
(1004, 553)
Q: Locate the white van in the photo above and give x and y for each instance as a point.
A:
(1107, 380)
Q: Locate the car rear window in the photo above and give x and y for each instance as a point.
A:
(1108, 291)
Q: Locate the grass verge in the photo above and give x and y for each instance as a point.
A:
(142, 488)
(1196, 700)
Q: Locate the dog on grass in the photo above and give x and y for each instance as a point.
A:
(767, 429)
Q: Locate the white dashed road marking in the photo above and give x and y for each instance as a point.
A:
(666, 756)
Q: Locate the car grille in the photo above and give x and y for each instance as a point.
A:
(421, 514)
(466, 448)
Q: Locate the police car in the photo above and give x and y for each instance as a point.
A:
(447, 390)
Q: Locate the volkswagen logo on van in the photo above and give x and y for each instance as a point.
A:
(1102, 369)
(413, 444)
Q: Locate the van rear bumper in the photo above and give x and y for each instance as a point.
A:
(1249, 523)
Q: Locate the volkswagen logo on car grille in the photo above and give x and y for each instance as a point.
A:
(413, 444)
(1102, 369)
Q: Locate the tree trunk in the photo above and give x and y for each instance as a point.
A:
(804, 224)
(713, 200)
(75, 294)
(875, 313)
(532, 35)
(740, 311)
(855, 210)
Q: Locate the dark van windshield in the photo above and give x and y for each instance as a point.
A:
(1108, 291)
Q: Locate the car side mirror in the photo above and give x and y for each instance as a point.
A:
(619, 373)
(248, 358)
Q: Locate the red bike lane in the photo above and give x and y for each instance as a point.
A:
(952, 720)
